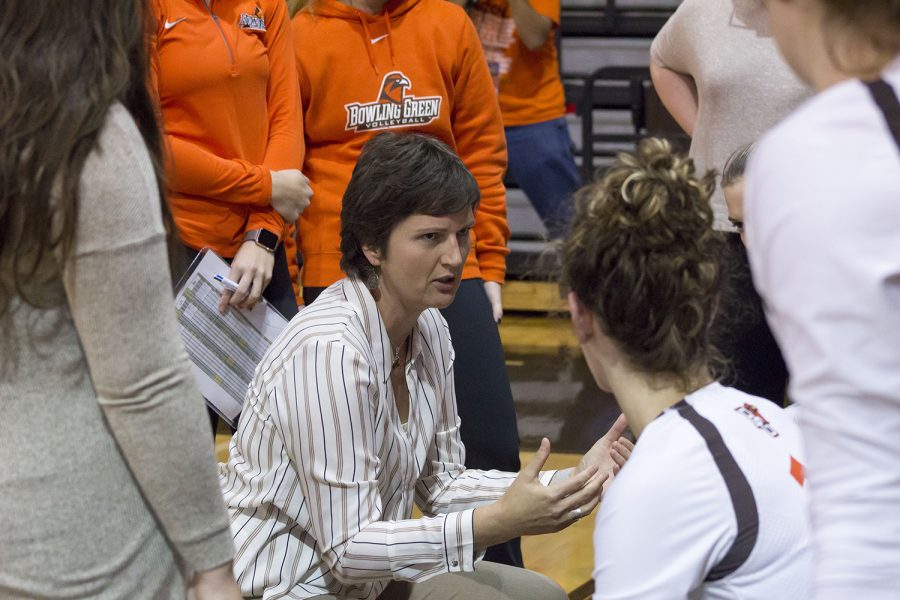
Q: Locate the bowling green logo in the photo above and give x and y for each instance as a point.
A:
(394, 107)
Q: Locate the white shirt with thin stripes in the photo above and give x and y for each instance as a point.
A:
(321, 477)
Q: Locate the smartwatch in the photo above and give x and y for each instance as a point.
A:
(262, 238)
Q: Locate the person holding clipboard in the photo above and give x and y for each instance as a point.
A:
(227, 87)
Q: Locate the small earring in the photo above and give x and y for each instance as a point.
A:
(372, 280)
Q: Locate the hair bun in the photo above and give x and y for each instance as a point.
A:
(643, 255)
(663, 201)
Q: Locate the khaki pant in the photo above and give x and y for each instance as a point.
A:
(490, 581)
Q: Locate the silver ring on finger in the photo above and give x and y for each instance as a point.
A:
(576, 513)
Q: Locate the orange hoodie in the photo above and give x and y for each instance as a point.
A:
(227, 88)
(418, 66)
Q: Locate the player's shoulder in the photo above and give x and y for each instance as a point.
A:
(736, 413)
(669, 483)
(807, 135)
(667, 452)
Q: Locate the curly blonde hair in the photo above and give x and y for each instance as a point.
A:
(643, 256)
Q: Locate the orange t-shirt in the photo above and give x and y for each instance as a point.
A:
(530, 88)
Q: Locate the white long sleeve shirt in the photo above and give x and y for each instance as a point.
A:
(322, 475)
(823, 226)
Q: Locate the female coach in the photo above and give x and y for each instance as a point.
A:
(352, 417)
(368, 66)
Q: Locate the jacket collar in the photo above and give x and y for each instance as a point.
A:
(359, 296)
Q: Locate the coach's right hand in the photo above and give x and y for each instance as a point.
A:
(291, 193)
(528, 507)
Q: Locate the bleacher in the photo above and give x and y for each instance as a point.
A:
(604, 61)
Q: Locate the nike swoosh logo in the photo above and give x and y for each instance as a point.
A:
(379, 38)
(170, 24)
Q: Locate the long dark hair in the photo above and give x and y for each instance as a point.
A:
(63, 65)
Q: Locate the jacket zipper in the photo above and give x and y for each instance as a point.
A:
(208, 5)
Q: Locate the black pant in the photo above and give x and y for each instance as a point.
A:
(483, 397)
(742, 335)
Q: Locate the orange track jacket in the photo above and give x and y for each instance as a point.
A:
(418, 66)
(227, 88)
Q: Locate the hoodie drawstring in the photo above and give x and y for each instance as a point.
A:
(368, 42)
(387, 24)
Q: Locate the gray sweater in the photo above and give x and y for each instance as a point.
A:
(744, 87)
(108, 485)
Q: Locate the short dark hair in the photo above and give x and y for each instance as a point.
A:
(399, 175)
(736, 165)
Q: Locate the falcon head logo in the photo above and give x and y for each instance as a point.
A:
(394, 106)
(392, 88)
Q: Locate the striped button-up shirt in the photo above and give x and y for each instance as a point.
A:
(322, 475)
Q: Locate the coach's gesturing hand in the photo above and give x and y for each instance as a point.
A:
(528, 507)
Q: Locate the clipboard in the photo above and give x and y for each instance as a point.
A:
(224, 348)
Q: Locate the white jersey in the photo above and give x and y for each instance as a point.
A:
(823, 230)
(711, 504)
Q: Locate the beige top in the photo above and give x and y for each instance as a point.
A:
(744, 86)
(107, 476)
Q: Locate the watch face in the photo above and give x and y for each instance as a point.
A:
(267, 239)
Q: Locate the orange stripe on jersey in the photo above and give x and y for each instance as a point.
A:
(798, 471)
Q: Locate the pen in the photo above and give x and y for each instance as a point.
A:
(229, 284)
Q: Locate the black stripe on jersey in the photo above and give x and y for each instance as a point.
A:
(739, 489)
(887, 101)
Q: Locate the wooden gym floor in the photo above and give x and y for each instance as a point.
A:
(556, 398)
